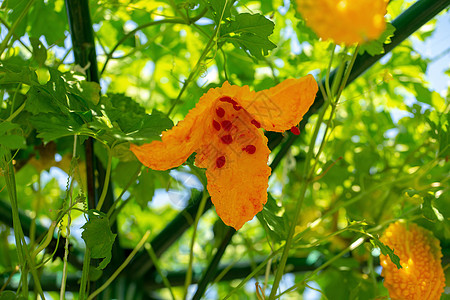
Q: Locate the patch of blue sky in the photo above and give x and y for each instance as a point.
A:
(283, 9)
(57, 173)
(386, 58)
(76, 230)
(204, 21)
(104, 84)
(188, 180)
(286, 282)
(3, 32)
(311, 292)
(148, 69)
(177, 199)
(210, 75)
(130, 25)
(437, 48)
(275, 187)
(178, 196)
(289, 33)
(391, 133)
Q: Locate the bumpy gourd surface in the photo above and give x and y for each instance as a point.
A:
(224, 129)
(345, 21)
(421, 276)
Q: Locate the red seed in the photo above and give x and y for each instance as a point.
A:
(226, 125)
(227, 139)
(220, 161)
(256, 123)
(250, 149)
(220, 112)
(216, 125)
(295, 130)
(229, 100)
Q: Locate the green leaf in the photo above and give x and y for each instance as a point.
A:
(39, 51)
(422, 93)
(220, 8)
(412, 192)
(276, 221)
(441, 132)
(10, 295)
(145, 189)
(6, 126)
(375, 47)
(12, 141)
(98, 237)
(38, 102)
(90, 91)
(51, 97)
(52, 26)
(126, 120)
(15, 9)
(386, 251)
(53, 126)
(429, 211)
(151, 127)
(11, 72)
(250, 33)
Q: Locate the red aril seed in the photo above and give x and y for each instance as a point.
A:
(229, 100)
(216, 125)
(226, 125)
(256, 123)
(226, 139)
(220, 161)
(295, 130)
(250, 149)
(220, 112)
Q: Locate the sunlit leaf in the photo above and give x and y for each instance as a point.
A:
(98, 237)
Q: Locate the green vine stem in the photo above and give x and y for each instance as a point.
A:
(327, 76)
(205, 52)
(157, 264)
(85, 274)
(107, 178)
(177, 10)
(113, 211)
(13, 114)
(18, 233)
(309, 170)
(212, 266)
(149, 24)
(87, 255)
(253, 273)
(46, 241)
(21, 245)
(353, 246)
(69, 221)
(3, 21)
(188, 279)
(4, 44)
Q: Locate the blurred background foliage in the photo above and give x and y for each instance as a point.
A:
(386, 157)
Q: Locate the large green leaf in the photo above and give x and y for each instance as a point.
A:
(250, 33)
(98, 237)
